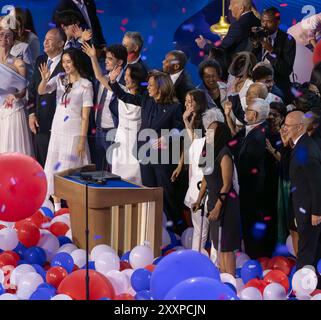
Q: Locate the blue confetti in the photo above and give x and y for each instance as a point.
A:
(66, 118)
(278, 143)
(98, 237)
(43, 103)
(150, 39)
(52, 25)
(144, 84)
(188, 27)
(144, 58)
(302, 210)
(293, 189)
(57, 165)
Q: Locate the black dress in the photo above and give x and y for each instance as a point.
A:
(230, 214)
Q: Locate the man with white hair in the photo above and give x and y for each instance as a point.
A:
(249, 153)
(237, 38)
(305, 177)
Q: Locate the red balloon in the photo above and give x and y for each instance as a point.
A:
(55, 275)
(62, 211)
(279, 277)
(292, 262)
(75, 268)
(23, 186)
(2, 226)
(28, 234)
(13, 254)
(150, 267)
(58, 229)
(256, 283)
(124, 296)
(124, 265)
(38, 219)
(74, 285)
(47, 266)
(280, 263)
(316, 291)
(7, 259)
(264, 261)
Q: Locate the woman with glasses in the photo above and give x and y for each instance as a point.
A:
(68, 146)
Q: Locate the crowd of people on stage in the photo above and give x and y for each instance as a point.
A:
(83, 101)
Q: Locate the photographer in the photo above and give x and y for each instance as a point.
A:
(277, 47)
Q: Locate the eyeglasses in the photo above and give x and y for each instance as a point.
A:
(291, 125)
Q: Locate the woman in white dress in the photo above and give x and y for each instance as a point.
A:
(68, 146)
(124, 163)
(14, 132)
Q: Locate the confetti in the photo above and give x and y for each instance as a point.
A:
(188, 27)
(97, 237)
(302, 210)
(260, 226)
(217, 43)
(296, 92)
(13, 181)
(123, 29)
(124, 21)
(169, 223)
(293, 189)
(278, 143)
(232, 195)
(232, 143)
(144, 58)
(43, 103)
(93, 131)
(57, 165)
(183, 10)
(150, 39)
(100, 11)
(3, 208)
(254, 171)
(52, 25)
(294, 22)
(263, 130)
(66, 118)
(267, 218)
(73, 158)
(201, 53)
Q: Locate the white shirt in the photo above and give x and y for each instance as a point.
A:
(135, 61)
(265, 53)
(83, 9)
(297, 139)
(250, 127)
(175, 76)
(55, 62)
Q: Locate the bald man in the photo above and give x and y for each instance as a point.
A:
(237, 38)
(305, 178)
(42, 108)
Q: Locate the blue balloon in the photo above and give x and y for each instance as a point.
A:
(201, 288)
(125, 256)
(40, 270)
(319, 266)
(177, 267)
(42, 294)
(251, 269)
(47, 287)
(20, 249)
(35, 255)
(63, 259)
(143, 295)
(2, 290)
(140, 279)
(47, 212)
(230, 286)
(22, 262)
(104, 299)
(63, 240)
(157, 260)
(91, 265)
(238, 273)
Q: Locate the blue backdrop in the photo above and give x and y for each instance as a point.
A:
(164, 24)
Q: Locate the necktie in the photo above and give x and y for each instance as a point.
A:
(100, 108)
(49, 63)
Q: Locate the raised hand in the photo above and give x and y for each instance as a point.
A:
(114, 73)
(76, 31)
(86, 35)
(44, 71)
(201, 42)
(227, 108)
(89, 50)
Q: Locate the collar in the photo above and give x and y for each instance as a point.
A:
(297, 140)
(250, 127)
(135, 61)
(81, 2)
(245, 13)
(273, 35)
(175, 76)
(56, 58)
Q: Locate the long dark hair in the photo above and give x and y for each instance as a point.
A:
(222, 137)
(139, 76)
(200, 99)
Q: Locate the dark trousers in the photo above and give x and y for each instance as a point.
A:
(159, 175)
(102, 150)
(41, 143)
(309, 243)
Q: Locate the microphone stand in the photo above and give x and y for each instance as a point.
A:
(202, 215)
(87, 245)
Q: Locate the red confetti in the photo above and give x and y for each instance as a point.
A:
(218, 43)
(100, 11)
(263, 130)
(232, 143)
(232, 195)
(283, 4)
(123, 29)
(294, 22)
(267, 218)
(93, 131)
(254, 171)
(124, 21)
(201, 53)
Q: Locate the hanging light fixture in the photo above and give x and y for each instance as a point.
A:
(221, 28)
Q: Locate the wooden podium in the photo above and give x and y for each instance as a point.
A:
(115, 212)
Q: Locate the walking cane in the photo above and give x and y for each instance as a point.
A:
(221, 220)
(202, 215)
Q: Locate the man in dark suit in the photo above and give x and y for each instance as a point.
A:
(42, 108)
(133, 42)
(89, 18)
(279, 49)
(174, 64)
(305, 178)
(249, 153)
(237, 38)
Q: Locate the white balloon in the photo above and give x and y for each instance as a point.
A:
(239, 285)
(274, 291)
(28, 284)
(251, 293)
(316, 297)
(187, 238)
(64, 218)
(99, 249)
(227, 277)
(119, 281)
(8, 239)
(166, 239)
(141, 256)
(304, 281)
(68, 248)
(61, 297)
(289, 245)
(19, 271)
(241, 258)
(107, 261)
(49, 243)
(79, 257)
(128, 273)
(1, 276)
(164, 223)
(8, 296)
(69, 234)
(48, 204)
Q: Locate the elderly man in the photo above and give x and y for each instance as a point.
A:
(249, 153)
(305, 178)
(237, 38)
